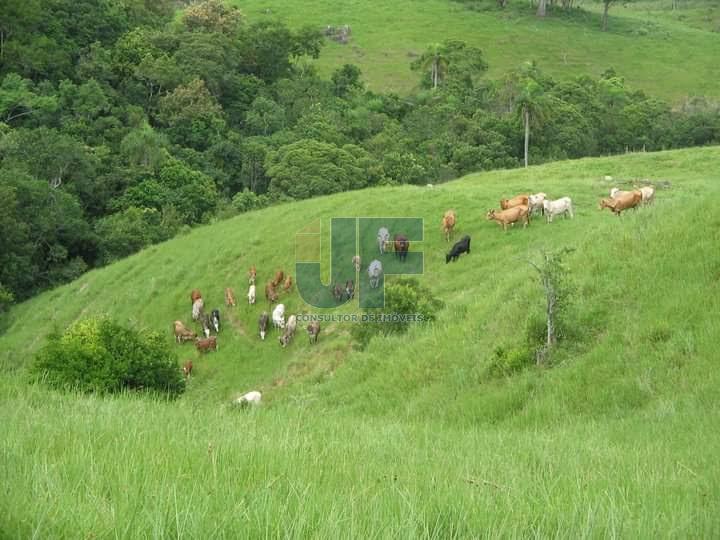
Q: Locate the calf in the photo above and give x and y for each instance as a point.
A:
(251, 294)
(448, 224)
(289, 331)
(207, 344)
(402, 246)
(187, 369)
(288, 284)
(519, 200)
(262, 324)
(350, 289)
(205, 322)
(374, 272)
(251, 398)
(356, 262)
(215, 319)
(230, 297)
(460, 247)
(562, 205)
(313, 330)
(383, 238)
(511, 215)
(252, 274)
(278, 279)
(278, 316)
(183, 334)
(270, 293)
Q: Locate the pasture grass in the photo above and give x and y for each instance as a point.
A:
(671, 55)
(413, 437)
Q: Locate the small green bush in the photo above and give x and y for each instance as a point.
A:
(505, 362)
(99, 355)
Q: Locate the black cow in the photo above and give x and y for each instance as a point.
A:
(350, 289)
(216, 320)
(461, 246)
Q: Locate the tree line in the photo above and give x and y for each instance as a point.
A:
(121, 125)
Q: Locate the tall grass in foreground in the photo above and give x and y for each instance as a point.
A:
(412, 437)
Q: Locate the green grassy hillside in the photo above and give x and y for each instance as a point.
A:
(411, 437)
(667, 54)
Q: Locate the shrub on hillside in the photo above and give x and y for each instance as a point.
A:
(99, 355)
(404, 296)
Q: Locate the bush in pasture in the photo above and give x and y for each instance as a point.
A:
(505, 362)
(247, 200)
(99, 355)
(404, 296)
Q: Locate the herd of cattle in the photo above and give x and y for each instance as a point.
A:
(518, 209)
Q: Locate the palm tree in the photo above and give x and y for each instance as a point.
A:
(531, 106)
(436, 61)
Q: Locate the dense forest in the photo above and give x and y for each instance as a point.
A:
(122, 123)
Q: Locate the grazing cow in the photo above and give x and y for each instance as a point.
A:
(519, 200)
(375, 271)
(205, 322)
(288, 284)
(511, 215)
(554, 208)
(215, 319)
(187, 369)
(278, 316)
(648, 194)
(350, 289)
(182, 333)
(252, 274)
(356, 262)
(270, 293)
(197, 309)
(230, 297)
(402, 245)
(207, 344)
(460, 247)
(194, 296)
(262, 324)
(289, 331)
(622, 202)
(251, 294)
(313, 330)
(535, 202)
(251, 398)
(337, 293)
(278, 279)
(448, 224)
(383, 238)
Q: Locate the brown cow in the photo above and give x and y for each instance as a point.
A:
(313, 330)
(448, 223)
(622, 201)
(230, 297)
(182, 333)
(288, 284)
(270, 293)
(511, 215)
(515, 201)
(195, 296)
(252, 274)
(278, 279)
(402, 246)
(207, 344)
(187, 369)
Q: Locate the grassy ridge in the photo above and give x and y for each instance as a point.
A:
(655, 52)
(411, 437)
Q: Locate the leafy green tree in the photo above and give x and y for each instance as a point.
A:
(264, 117)
(346, 80)
(451, 60)
(144, 147)
(18, 99)
(212, 16)
(127, 232)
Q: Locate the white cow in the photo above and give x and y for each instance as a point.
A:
(383, 239)
(278, 316)
(197, 309)
(536, 202)
(289, 331)
(251, 398)
(251, 294)
(356, 262)
(648, 194)
(562, 205)
(375, 271)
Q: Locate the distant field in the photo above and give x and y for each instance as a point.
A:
(670, 55)
(410, 438)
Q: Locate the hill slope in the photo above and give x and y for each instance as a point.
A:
(410, 437)
(647, 45)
